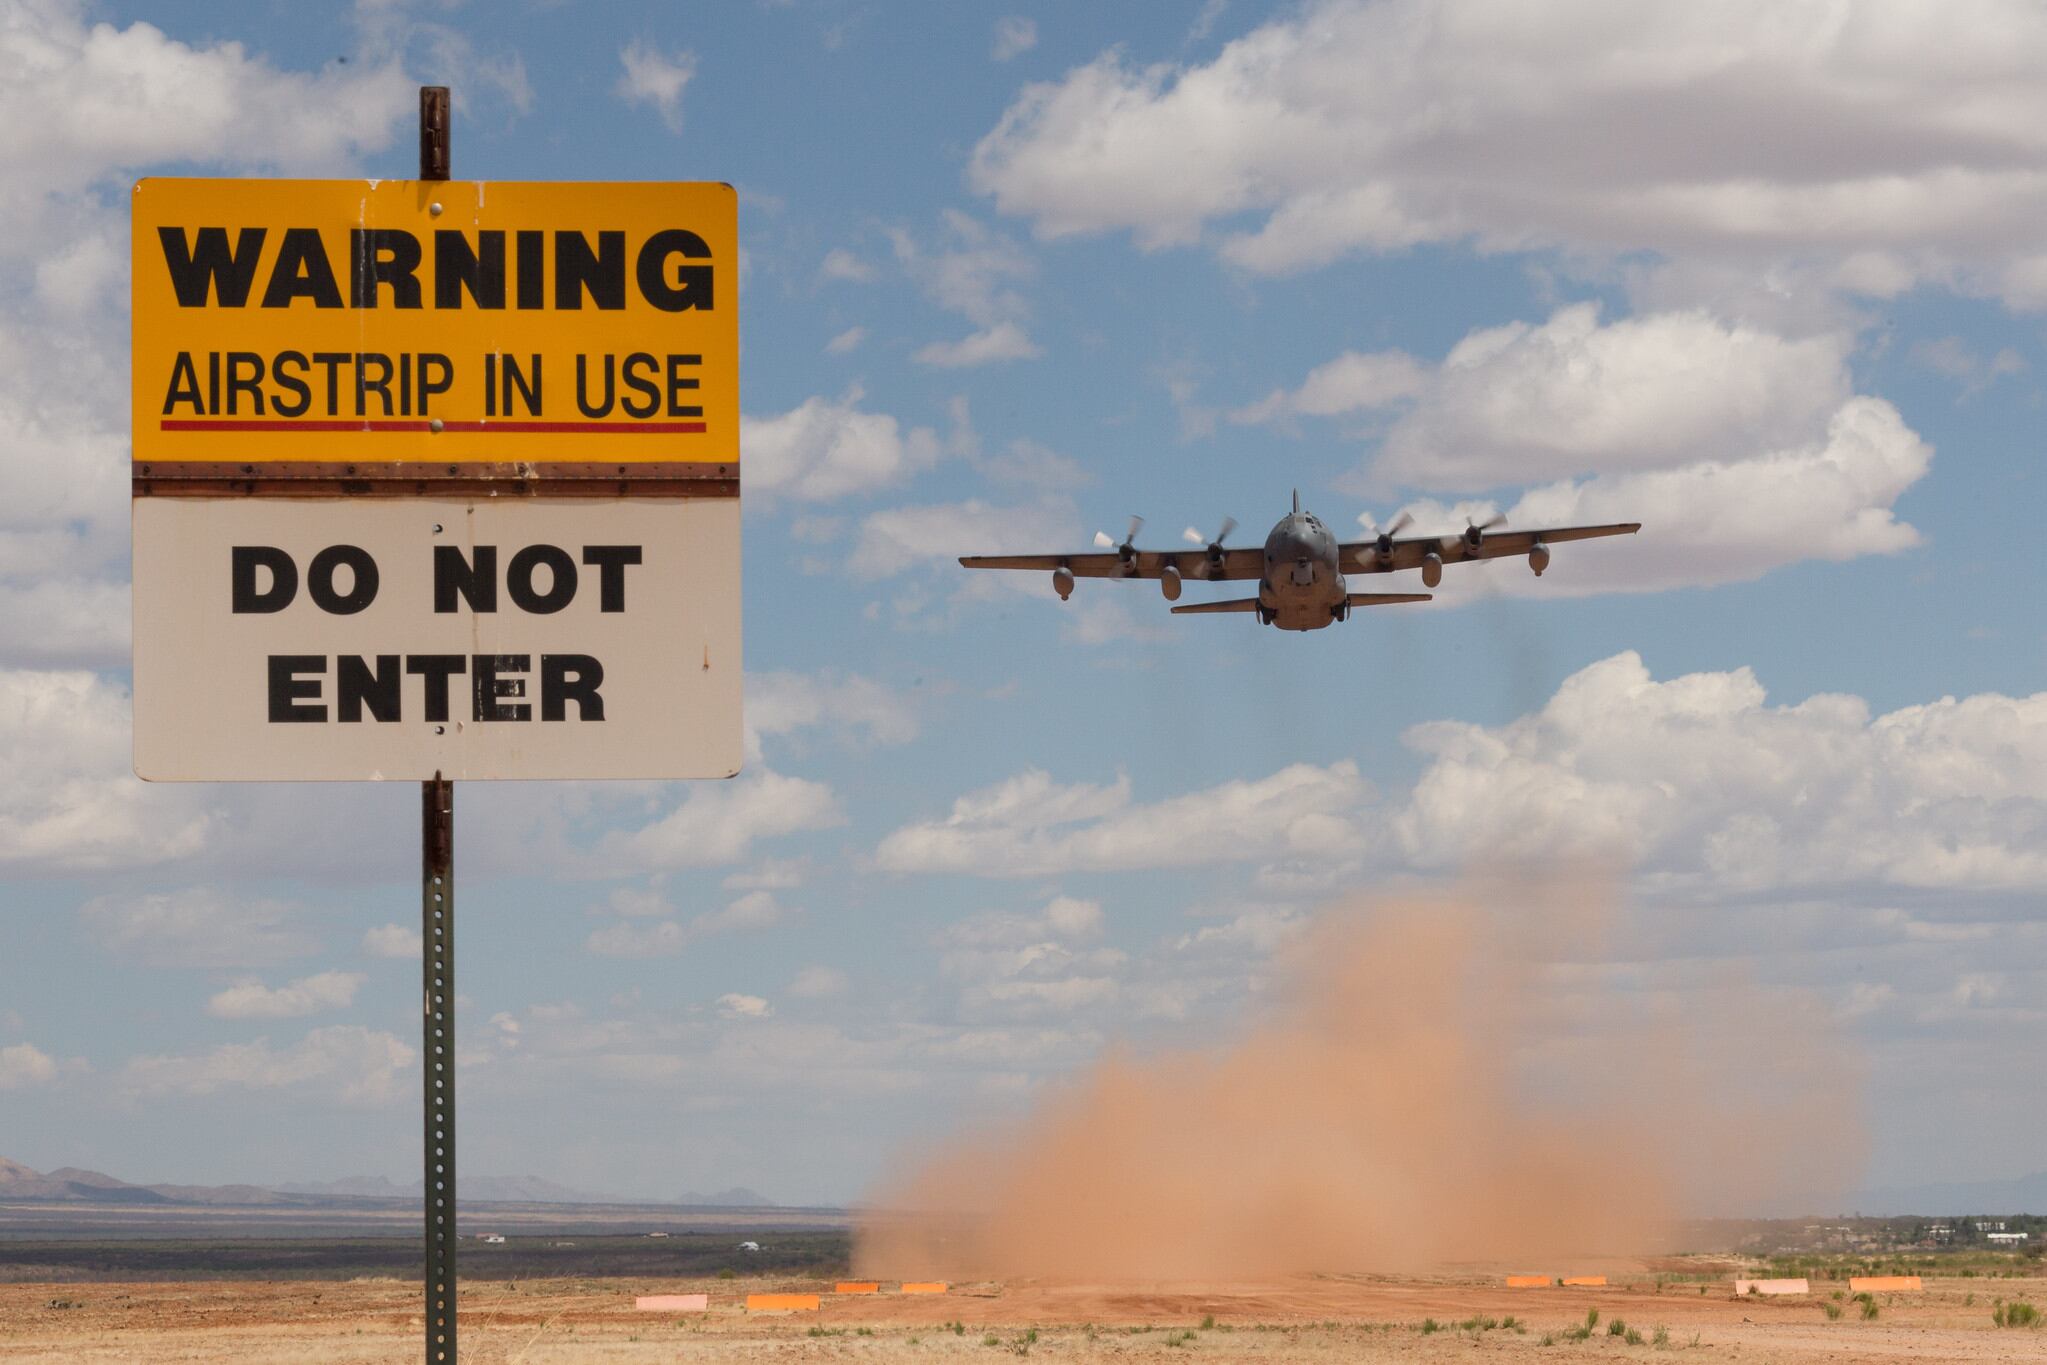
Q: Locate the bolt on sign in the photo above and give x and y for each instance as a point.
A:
(435, 477)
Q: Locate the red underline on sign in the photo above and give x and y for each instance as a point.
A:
(389, 424)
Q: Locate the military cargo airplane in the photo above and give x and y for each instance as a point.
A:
(1301, 569)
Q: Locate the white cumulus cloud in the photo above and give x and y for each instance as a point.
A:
(718, 823)
(1700, 783)
(1014, 36)
(1722, 521)
(1890, 141)
(827, 448)
(25, 1064)
(199, 926)
(307, 995)
(1003, 341)
(1523, 403)
(1352, 382)
(656, 78)
(904, 537)
(845, 704)
(818, 983)
(391, 940)
(71, 801)
(972, 271)
(667, 937)
(343, 1062)
(1030, 825)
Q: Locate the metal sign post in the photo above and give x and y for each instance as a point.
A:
(437, 1053)
(437, 942)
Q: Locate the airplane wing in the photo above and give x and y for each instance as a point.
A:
(1362, 556)
(1202, 608)
(1195, 564)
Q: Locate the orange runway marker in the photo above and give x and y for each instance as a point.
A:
(856, 1287)
(1866, 1284)
(1586, 1281)
(1528, 1282)
(929, 1287)
(781, 1303)
(673, 1303)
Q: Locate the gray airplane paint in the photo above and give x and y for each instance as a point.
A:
(1302, 588)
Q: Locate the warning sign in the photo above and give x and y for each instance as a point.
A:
(435, 322)
(339, 639)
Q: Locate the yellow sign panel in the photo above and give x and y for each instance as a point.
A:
(435, 322)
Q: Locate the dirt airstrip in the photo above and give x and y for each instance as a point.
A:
(1308, 1319)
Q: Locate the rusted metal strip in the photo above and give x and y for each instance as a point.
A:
(414, 479)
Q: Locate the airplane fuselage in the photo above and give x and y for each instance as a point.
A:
(1301, 588)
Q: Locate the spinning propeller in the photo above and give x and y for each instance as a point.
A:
(1382, 540)
(1474, 533)
(1128, 547)
(1212, 566)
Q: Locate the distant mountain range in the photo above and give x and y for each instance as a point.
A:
(69, 1184)
(738, 1197)
(510, 1189)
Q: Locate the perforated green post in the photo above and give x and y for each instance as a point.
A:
(437, 1051)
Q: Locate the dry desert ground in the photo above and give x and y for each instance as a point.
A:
(1314, 1318)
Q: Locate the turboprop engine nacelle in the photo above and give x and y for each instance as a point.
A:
(1062, 582)
(1432, 569)
(1169, 583)
(1538, 557)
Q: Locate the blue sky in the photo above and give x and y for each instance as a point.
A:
(1764, 277)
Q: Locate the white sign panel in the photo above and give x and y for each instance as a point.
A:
(341, 639)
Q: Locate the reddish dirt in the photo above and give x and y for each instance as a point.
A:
(1308, 1319)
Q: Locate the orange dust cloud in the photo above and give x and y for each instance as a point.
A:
(1453, 1078)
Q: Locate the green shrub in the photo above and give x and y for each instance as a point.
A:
(1591, 1318)
(1616, 1328)
(1832, 1310)
(2017, 1313)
